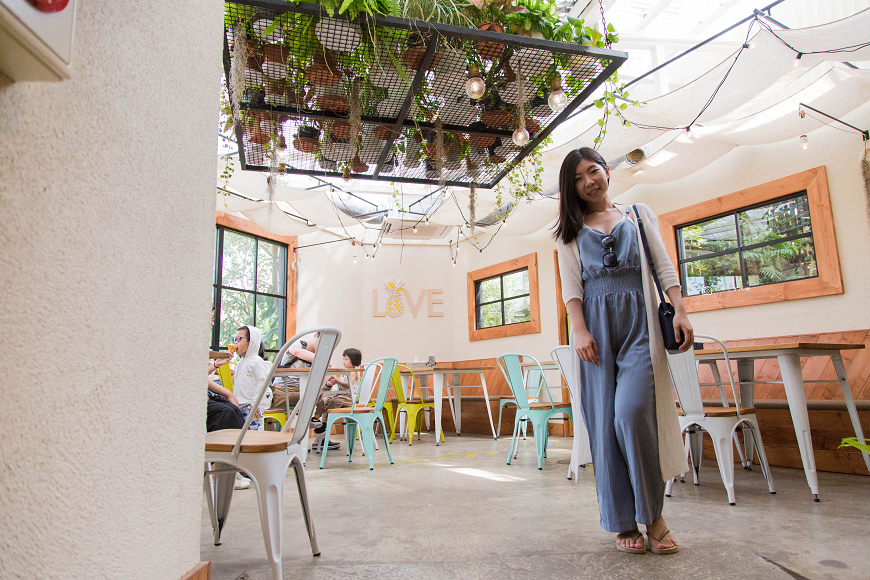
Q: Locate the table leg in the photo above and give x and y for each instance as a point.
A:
(486, 403)
(455, 382)
(438, 386)
(405, 391)
(850, 402)
(746, 376)
(790, 365)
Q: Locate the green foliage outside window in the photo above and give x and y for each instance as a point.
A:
(750, 247)
(250, 287)
(503, 299)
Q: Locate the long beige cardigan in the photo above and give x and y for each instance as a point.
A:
(672, 455)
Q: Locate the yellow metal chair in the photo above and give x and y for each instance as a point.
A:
(226, 377)
(412, 409)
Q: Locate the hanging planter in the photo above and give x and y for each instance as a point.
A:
(324, 71)
(495, 117)
(480, 140)
(340, 130)
(490, 50)
(413, 57)
(338, 34)
(357, 166)
(275, 60)
(307, 140)
(532, 125)
(383, 132)
(332, 104)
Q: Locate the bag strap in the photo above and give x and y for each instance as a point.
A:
(649, 257)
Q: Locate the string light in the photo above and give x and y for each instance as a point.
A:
(557, 100)
(805, 143)
(475, 86)
(797, 59)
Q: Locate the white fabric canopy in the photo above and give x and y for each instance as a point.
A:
(272, 219)
(530, 217)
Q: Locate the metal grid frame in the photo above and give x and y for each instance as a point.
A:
(302, 84)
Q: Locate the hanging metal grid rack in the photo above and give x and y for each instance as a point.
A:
(304, 70)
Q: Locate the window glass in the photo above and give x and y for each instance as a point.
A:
(516, 284)
(489, 290)
(517, 310)
(774, 245)
(271, 265)
(239, 259)
(489, 315)
(709, 237)
(250, 287)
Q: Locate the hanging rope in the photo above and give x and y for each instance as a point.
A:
(237, 68)
(472, 205)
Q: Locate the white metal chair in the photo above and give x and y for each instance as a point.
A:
(581, 452)
(719, 422)
(266, 455)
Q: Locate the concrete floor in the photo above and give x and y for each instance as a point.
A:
(459, 512)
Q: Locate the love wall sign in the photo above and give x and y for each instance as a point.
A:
(397, 296)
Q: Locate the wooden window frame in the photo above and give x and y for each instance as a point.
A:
(829, 280)
(249, 227)
(534, 325)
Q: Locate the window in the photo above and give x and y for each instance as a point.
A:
(763, 244)
(250, 287)
(503, 299)
(768, 243)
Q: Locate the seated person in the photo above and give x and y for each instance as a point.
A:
(340, 394)
(299, 355)
(223, 407)
(251, 371)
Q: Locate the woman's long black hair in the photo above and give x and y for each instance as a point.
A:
(572, 209)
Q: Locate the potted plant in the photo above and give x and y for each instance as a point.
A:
(323, 70)
(275, 60)
(533, 18)
(416, 51)
(489, 15)
(495, 113)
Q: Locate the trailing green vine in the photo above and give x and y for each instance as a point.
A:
(525, 181)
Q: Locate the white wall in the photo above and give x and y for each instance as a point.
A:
(745, 167)
(106, 230)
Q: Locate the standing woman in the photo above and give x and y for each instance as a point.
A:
(626, 392)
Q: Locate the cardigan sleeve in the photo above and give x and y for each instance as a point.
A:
(570, 271)
(664, 267)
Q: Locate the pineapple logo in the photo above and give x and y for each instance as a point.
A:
(394, 298)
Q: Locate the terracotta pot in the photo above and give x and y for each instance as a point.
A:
(495, 118)
(497, 159)
(275, 60)
(532, 125)
(295, 97)
(326, 59)
(308, 133)
(490, 50)
(332, 103)
(357, 166)
(321, 77)
(383, 132)
(259, 136)
(413, 58)
(340, 130)
(306, 144)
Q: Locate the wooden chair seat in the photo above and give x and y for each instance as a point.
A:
(724, 411)
(549, 406)
(357, 409)
(254, 441)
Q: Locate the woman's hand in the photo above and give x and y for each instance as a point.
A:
(682, 325)
(586, 347)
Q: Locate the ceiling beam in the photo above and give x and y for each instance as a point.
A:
(714, 16)
(654, 13)
(585, 11)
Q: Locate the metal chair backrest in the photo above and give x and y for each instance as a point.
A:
(684, 373)
(561, 355)
(363, 393)
(396, 383)
(384, 367)
(329, 337)
(510, 367)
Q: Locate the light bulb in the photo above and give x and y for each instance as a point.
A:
(557, 100)
(345, 176)
(475, 86)
(415, 229)
(797, 59)
(521, 136)
(354, 258)
(805, 143)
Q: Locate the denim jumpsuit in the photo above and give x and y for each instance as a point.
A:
(618, 396)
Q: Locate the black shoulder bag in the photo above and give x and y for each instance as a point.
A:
(666, 309)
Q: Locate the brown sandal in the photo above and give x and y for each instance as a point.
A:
(632, 535)
(654, 550)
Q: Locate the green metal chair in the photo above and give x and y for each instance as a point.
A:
(362, 417)
(538, 413)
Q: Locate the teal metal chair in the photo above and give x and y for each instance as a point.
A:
(536, 412)
(363, 417)
(531, 396)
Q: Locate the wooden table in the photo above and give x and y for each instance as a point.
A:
(438, 372)
(789, 358)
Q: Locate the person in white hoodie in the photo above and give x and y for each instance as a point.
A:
(250, 373)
